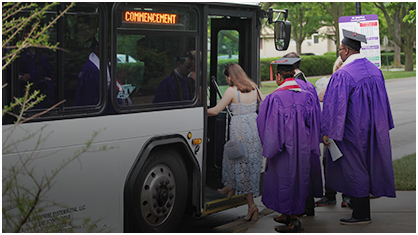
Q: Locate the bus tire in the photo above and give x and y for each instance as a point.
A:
(161, 193)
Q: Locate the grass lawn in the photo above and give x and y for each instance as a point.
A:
(404, 170)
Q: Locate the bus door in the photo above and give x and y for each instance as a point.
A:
(233, 38)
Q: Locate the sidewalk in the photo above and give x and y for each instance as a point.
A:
(389, 215)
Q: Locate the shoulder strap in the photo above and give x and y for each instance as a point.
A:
(239, 98)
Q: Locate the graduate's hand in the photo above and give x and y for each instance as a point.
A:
(325, 140)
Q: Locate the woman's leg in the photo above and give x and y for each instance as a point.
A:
(252, 207)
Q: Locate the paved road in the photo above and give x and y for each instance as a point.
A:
(402, 98)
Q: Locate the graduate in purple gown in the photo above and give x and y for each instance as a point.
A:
(288, 128)
(35, 68)
(88, 83)
(315, 186)
(357, 116)
(178, 86)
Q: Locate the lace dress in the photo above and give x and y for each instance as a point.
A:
(244, 174)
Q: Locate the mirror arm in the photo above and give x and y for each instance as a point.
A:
(280, 12)
(269, 14)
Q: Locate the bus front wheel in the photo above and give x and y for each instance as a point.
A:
(161, 195)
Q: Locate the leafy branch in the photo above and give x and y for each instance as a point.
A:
(37, 36)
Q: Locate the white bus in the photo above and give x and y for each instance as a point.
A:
(163, 155)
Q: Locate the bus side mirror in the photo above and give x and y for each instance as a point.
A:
(282, 35)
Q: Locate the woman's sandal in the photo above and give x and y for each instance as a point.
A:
(287, 229)
(227, 190)
(251, 213)
(286, 221)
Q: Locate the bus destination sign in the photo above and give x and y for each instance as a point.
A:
(150, 17)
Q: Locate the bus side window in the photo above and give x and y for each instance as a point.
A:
(55, 73)
(156, 60)
(34, 65)
(82, 73)
(161, 70)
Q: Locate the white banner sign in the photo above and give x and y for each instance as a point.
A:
(369, 26)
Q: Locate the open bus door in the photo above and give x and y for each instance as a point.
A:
(234, 38)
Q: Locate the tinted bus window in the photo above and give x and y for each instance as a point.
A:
(82, 64)
(70, 73)
(155, 54)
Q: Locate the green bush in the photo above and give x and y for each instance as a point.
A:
(333, 53)
(310, 65)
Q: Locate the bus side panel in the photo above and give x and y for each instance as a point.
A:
(92, 186)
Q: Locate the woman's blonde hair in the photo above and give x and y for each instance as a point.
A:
(239, 78)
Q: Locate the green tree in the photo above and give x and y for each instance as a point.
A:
(405, 38)
(335, 10)
(369, 8)
(411, 17)
(306, 18)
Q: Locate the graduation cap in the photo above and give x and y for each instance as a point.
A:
(286, 64)
(353, 39)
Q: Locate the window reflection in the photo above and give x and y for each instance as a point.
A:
(81, 70)
(158, 69)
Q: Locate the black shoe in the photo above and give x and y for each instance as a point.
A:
(295, 228)
(352, 220)
(286, 221)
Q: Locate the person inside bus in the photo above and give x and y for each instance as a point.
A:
(178, 86)
(35, 68)
(288, 128)
(241, 176)
(315, 183)
(88, 83)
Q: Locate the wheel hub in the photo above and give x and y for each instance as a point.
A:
(158, 195)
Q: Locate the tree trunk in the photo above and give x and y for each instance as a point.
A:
(409, 58)
(397, 57)
(336, 10)
(299, 47)
(408, 33)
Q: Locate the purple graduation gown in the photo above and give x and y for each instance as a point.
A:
(88, 85)
(287, 124)
(357, 115)
(315, 186)
(174, 88)
(38, 68)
